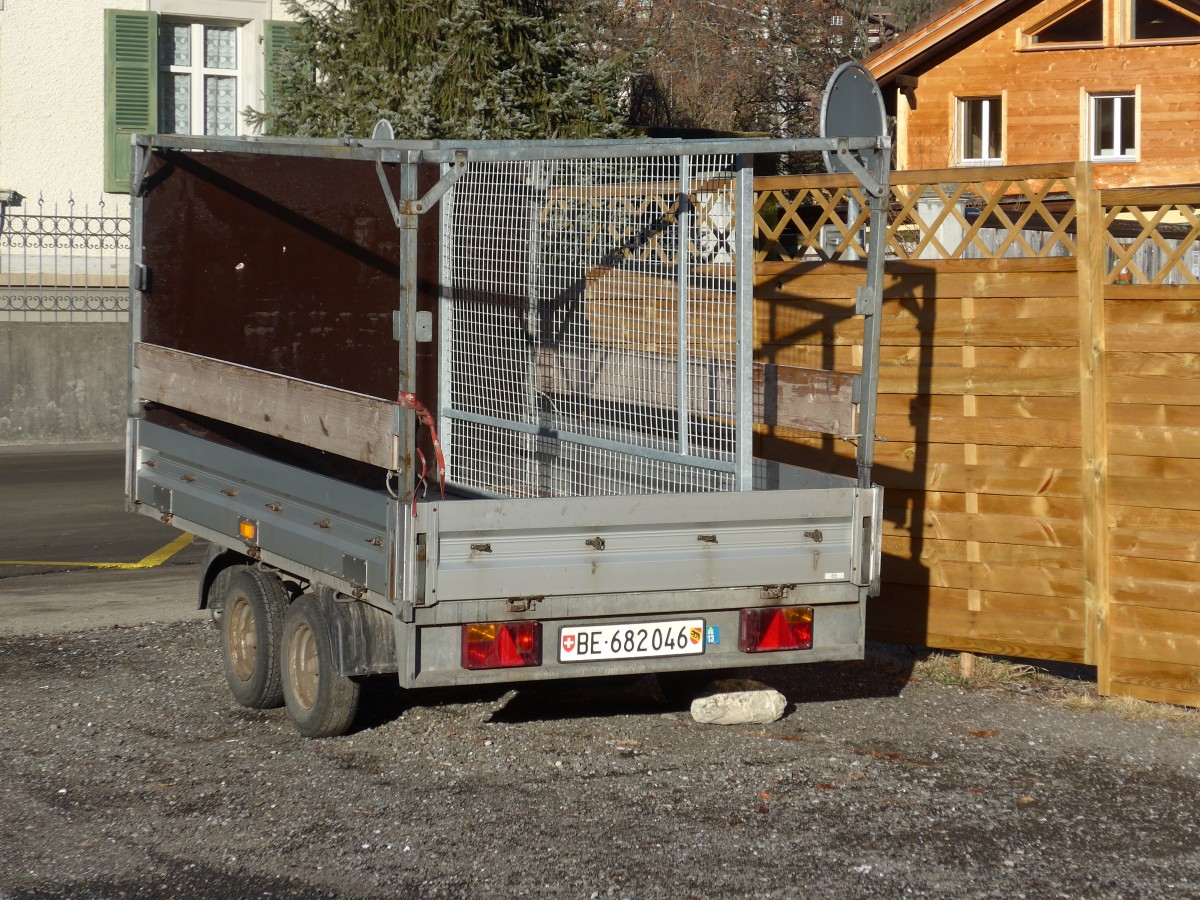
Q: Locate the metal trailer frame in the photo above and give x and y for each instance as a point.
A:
(386, 555)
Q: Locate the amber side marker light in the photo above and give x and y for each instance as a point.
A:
(248, 530)
(775, 628)
(490, 645)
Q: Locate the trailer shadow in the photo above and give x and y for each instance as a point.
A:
(881, 674)
(884, 673)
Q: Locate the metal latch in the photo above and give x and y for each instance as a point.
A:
(422, 331)
(424, 326)
(775, 591)
(524, 604)
(354, 569)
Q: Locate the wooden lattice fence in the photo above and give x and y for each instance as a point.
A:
(1039, 419)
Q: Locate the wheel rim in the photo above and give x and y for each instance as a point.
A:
(304, 666)
(243, 639)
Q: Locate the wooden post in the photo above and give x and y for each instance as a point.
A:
(1093, 422)
(971, 500)
(966, 664)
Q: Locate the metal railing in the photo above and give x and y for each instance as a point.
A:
(63, 263)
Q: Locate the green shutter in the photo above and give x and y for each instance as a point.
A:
(130, 88)
(277, 38)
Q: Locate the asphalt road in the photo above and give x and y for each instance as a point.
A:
(72, 558)
(63, 509)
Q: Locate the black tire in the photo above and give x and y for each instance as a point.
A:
(252, 611)
(319, 701)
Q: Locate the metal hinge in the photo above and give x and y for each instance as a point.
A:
(432, 196)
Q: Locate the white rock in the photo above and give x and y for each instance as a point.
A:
(739, 702)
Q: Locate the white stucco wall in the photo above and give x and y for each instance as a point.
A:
(52, 88)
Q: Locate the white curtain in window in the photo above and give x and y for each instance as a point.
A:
(175, 46)
(220, 48)
(175, 103)
(220, 105)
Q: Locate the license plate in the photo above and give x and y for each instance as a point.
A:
(633, 640)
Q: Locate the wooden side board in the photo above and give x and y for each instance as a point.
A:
(633, 321)
(342, 422)
(360, 427)
(809, 399)
(636, 311)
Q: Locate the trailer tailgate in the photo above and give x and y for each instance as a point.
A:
(487, 549)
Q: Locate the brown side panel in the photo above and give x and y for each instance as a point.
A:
(288, 264)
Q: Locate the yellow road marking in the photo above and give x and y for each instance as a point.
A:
(157, 558)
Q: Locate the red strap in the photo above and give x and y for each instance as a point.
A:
(410, 401)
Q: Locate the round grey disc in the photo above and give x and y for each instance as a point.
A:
(852, 107)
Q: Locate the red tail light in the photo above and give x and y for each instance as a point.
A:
(779, 628)
(490, 645)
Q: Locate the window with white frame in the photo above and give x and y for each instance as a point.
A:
(1113, 127)
(183, 76)
(981, 124)
(198, 78)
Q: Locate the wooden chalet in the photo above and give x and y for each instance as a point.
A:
(1013, 82)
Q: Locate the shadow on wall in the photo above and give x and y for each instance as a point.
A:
(62, 382)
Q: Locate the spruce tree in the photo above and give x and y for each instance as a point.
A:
(458, 69)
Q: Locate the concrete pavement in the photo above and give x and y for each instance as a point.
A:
(81, 600)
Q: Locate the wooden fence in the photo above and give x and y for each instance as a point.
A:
(1039, 414)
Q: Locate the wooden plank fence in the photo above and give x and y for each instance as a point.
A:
(1151, 634)
(1038, 432)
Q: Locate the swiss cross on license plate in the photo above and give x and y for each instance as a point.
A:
(632, 640)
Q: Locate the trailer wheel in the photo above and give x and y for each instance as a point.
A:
(320, 702)
(253, 607)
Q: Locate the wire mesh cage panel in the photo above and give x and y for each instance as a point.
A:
(588, 326)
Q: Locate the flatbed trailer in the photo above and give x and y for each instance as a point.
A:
(480, 412)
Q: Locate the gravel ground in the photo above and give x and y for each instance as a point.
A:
(129, 772)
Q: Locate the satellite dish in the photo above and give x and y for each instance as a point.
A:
(383, 131)
(852, 107)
